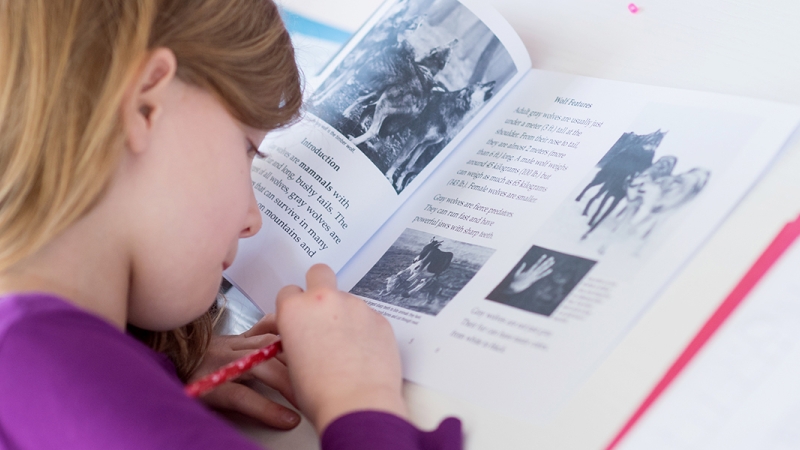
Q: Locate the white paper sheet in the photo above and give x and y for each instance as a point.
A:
(741, 390)
(524, 353)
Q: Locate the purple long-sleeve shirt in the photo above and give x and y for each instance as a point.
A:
(70, 380)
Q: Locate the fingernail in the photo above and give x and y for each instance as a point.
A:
(290, 418)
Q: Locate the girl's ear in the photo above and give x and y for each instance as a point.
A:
(144, 100)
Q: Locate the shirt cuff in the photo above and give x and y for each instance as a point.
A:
(376, 430)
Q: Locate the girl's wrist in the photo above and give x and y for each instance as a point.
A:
(378, 399)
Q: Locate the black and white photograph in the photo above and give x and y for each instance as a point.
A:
(541, 280)
(636, 187)
(645, 186)
(422, 272)
(413, 82)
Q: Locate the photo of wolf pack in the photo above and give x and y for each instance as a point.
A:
(413, 82)
(422, 272)
(634, 191)
(541, 280)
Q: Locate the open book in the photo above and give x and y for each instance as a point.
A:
(511, 223)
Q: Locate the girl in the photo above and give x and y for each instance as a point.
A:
(127, 129)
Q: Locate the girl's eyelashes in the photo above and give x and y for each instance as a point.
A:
(252, 150)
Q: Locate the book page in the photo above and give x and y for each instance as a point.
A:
(741, 390)
(530, 253)
(385, 113)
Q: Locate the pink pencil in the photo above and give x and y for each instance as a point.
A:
(232, 370)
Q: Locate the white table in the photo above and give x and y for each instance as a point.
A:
(742, 47)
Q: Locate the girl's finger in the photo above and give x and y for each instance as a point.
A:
(287, 292)
(275, 374)
(320, 276)
(240, 398)
(253, 343)
(266, 325)
(218, 359)
(281, 357)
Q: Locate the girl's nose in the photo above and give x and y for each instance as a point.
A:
(253, 219)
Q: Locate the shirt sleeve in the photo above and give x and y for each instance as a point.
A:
(374, 430)
(70, 382)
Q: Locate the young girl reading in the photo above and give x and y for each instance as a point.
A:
(127, 130)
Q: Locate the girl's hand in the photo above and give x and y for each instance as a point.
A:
(240, 398)
(342, 355)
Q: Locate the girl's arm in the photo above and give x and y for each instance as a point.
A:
(345, 369)
(341, 354)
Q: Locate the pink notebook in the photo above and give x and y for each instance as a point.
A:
(773, 252)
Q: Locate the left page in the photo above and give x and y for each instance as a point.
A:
(387, 111)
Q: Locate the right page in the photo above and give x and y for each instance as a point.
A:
(535, 247)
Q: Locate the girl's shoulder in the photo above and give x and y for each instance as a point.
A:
(69, 380)
(46, 323)
(24, 309)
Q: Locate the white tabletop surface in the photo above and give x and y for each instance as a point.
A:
(742, 47)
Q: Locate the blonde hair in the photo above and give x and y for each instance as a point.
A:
(66, 65)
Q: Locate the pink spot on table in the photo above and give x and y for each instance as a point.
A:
(633, 8)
